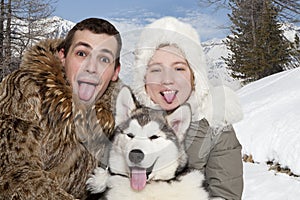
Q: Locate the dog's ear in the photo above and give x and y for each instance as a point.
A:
(125, 104)
(180, 120)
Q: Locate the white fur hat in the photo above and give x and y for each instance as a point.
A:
(170, 31)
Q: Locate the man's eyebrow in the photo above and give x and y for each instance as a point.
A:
(108, 51)
(83, 44)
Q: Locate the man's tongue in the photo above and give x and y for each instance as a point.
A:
(138, 178)
(169, 96)
(86, 91)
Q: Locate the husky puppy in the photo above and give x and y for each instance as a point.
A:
(147, 158)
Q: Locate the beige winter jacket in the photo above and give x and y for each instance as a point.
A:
(213, 151)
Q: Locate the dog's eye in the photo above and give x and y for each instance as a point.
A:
(153, 137)
(130, 135)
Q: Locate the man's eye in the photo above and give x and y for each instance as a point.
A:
(105, 59)
(81, 53)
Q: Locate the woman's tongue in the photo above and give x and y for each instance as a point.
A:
(169, 96)
(86, 91)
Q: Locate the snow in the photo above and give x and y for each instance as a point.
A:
(270, 132)
(260, 183)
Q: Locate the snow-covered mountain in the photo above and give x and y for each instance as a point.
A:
(59, 27)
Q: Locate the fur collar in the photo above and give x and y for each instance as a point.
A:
(57, 106)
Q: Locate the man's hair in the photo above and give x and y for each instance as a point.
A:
(97, 26)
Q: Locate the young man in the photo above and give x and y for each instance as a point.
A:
(51, 107)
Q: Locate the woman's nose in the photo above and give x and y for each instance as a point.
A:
(168, 78)
(167, 82)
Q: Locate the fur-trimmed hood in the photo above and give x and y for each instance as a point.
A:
(219, 105)
(42, 65)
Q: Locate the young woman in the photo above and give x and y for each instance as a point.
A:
(170, 70)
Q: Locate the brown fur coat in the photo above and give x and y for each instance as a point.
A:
(47, 142)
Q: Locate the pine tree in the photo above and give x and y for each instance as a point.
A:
(22, 22)
(289, 9)
(296, 52)
(257, 45)
(276, 48)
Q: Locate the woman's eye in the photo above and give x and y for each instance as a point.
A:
(180, 69)
(153, 137)
(155, 70)
(130, 135)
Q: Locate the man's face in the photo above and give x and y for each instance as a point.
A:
(90, 64)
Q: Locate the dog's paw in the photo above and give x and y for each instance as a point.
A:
(97, 182)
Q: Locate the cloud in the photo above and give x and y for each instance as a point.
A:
(208, 26)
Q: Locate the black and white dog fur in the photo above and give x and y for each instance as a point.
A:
(147, 159)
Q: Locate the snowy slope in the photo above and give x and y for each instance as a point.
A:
(262, 184)
(270, 130)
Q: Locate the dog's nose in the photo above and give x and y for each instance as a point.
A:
(136, 156)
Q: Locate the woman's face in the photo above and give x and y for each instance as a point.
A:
(168, 78)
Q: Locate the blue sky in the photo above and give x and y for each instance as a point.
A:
(77, 10)
(206, 21)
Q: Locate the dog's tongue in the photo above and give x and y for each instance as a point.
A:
(169, 97)
(138, 178)
(86, 91)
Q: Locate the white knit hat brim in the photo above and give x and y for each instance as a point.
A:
(170, 31)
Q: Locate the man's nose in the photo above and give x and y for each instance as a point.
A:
(90, 65)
